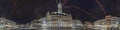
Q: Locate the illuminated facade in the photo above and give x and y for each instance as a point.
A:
(56, 19)
(5, 23)
(62, 19)
(107, 23)
(43, 22)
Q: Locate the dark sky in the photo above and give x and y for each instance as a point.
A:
(23, 11)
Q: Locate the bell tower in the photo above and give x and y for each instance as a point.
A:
(59, 6)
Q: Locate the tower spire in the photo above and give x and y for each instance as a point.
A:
(59, 6)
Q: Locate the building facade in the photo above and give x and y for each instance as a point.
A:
(57, 19)
(107, 23)
(5, 23)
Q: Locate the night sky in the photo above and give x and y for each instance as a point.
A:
(24, 11)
